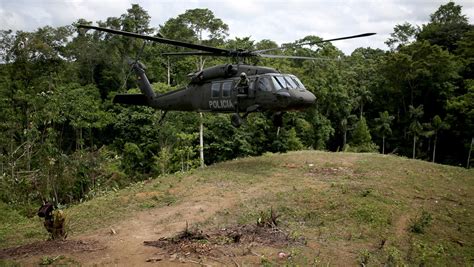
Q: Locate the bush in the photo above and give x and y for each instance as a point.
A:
(361, 140)
(419, 224)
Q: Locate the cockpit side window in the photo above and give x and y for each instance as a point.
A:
(226, 88)
(298, 82)
(216, 90)
(277, 84)
(281, 81)
(264, 84)
(290, 82)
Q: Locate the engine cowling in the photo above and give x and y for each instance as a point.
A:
(221, 71)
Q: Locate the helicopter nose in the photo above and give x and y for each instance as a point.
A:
(310, 98)
(306, 99)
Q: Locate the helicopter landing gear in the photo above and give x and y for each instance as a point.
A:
(277, 119)
(236, 120)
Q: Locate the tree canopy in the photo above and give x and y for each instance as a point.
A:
(62, 139)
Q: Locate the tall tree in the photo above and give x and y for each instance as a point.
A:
(383, 123)
(347, 124)
(446, 27)
(403, 34)
(415, 126)
(438, 124)
(200, 22)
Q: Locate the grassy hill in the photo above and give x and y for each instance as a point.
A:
(348, 208)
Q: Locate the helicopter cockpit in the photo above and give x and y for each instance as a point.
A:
(287, 81)
(276, 82)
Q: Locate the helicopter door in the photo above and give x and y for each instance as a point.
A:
(251, 90)
(263, 90)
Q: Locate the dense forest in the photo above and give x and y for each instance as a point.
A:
(63, 140)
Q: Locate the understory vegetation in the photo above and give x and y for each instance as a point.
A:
(62, 139)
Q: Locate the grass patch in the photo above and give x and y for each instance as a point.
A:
(15, 228)
(420, 223)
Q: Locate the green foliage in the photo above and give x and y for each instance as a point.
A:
(294, 142)
(361, 140)
(402, 35)
(364, 257)
(62, 139)
(447, 26)
(133, 158)
(420, 223)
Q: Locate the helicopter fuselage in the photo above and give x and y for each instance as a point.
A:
(268, 90)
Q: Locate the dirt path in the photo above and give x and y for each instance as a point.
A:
(123, 243)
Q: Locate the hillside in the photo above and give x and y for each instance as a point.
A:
(330, 208)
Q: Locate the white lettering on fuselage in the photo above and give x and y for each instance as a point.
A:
(221, 104)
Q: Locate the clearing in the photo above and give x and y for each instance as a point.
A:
(299, 208)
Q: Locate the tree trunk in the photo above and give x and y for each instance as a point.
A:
(383, 144)
(201, 140)
(344, 140)
(434, 147)
(414, 146)
(469, 155)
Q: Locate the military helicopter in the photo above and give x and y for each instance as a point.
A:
(228, 88)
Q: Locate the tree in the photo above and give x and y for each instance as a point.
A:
(415, 127)
(361, 140)
(293, 142)
(462, 109)
(383, 126)
(438, 124)
(347, 124)
(195, 23)
(447, 26)
(403, 34)
(363, 96)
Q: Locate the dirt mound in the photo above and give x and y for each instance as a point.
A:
(49, 247)
(221, 242)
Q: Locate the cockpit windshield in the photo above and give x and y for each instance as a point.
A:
(287, 82)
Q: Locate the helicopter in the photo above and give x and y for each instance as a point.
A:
(220, 88)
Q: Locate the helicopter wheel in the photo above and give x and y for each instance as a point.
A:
(236, 120)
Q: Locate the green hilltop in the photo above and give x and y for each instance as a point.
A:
(349, 208)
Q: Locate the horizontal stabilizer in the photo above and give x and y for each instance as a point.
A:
(131, 99)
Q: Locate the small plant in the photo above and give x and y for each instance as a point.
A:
(269, 219)
(364, 257)
(265, 262)
(419, 224)
(394, 257)
(49, 260)
(366, 192)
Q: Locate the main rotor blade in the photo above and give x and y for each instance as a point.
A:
(293, 57)
(340, 38)
(191, 53)
(205, 48)
(316, 42)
